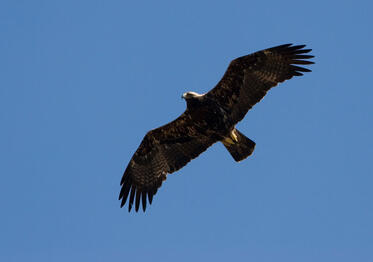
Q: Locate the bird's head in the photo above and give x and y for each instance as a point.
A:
(192, 99)
(191, 95)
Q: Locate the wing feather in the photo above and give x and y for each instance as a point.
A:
(132, 196)
(144, 201)
(248, 78)
(138, 194)
(162, 151)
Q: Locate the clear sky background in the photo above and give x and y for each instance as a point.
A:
(81, 82)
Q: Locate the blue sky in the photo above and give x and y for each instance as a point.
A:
(83, 81)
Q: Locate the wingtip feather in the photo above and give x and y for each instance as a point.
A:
(132, 196)
(138, 195)
(143, 201)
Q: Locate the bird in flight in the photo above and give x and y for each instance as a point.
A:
(209, 118)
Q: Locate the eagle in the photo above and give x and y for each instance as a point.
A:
(209, 118)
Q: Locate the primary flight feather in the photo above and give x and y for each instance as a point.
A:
(209, 118)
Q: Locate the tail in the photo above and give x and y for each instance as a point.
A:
(238, 145)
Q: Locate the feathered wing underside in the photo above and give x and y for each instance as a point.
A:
(248, 78)
(162, 151)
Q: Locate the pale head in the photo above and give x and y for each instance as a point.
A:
(190, 94)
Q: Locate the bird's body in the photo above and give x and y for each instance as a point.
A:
(209, 118)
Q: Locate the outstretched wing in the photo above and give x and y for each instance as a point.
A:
(248, 78)
(162, 151)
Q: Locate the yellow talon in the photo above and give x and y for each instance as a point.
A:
(234, 136)
(228, 141)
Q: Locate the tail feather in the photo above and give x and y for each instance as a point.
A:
(240, 147)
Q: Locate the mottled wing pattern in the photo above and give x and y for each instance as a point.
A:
(248, 78)
(162, 151)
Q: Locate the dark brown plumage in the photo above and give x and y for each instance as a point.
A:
(209, 118)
